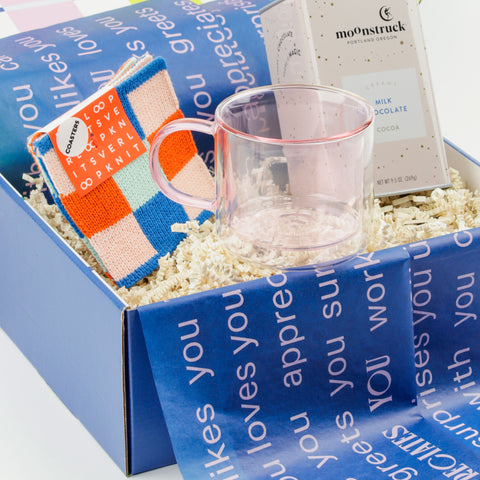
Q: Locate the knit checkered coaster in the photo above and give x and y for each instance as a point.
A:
(95, 162)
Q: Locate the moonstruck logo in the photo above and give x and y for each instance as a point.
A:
(385, 14)
(365, 31)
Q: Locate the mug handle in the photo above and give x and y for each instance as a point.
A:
(165, 186)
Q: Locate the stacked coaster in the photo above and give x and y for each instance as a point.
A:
(106, 192)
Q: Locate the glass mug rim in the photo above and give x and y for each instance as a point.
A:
(251, 92)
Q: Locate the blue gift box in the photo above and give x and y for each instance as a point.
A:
(101, 357)
(89, 346)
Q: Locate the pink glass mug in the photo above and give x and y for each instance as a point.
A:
(293, 171)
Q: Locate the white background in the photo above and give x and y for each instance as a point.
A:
(40, 439)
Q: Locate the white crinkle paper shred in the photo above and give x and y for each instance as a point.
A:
(201, 263)
(411, 218)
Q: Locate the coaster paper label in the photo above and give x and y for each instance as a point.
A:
(97, 142)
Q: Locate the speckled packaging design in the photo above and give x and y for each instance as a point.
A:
(374, 49)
